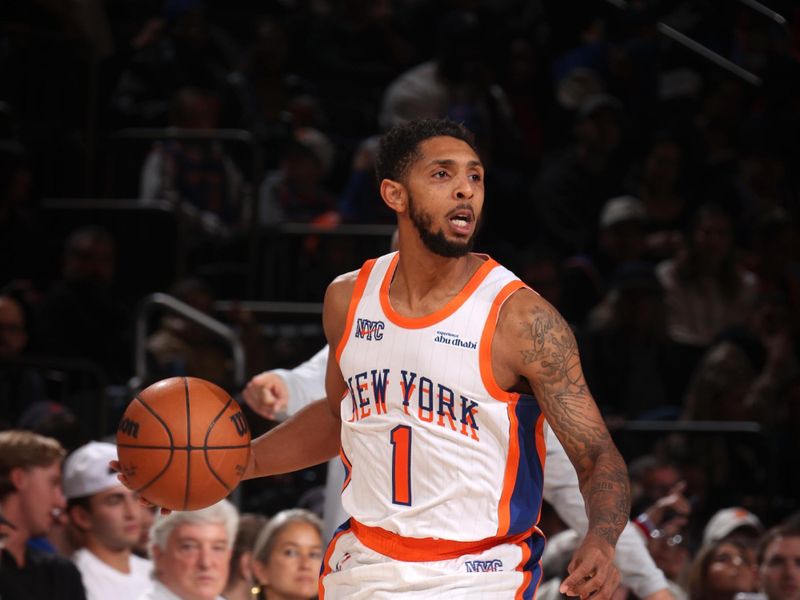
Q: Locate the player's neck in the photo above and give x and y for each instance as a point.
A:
(423, 281)
(117, 559)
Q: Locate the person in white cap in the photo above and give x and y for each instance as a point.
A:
(734, 520)
(109, 516)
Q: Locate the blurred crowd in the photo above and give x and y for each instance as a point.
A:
(649, 193)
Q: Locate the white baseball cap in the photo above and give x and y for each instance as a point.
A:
(86, 471)
(725, 521)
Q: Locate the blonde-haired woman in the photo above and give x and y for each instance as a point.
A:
(288, 554)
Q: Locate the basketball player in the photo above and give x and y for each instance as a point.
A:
(444, 371)
(280, 393)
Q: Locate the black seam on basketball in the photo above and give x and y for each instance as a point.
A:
(171, 447)
(205, 444)
(188, 445)
(157, 447)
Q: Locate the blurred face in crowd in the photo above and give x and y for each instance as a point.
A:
(669, 550)
(292, 567)
(148, 514)
(731, 569)
(40, 495)
(113, 519)
(13, 336)
(90, 259)
(712, 237)
(194, 565)
(779, 574)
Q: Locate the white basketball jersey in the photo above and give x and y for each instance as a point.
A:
(432, 446)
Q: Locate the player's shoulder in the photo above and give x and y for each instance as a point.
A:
(525, 310)
(522, 303)
(341, 288)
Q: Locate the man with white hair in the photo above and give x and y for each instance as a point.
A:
(109, 517)
(191, 552)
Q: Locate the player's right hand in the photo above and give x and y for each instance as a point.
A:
(114, 464)
(267, 394)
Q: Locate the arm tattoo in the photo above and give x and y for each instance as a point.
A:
(552, 363)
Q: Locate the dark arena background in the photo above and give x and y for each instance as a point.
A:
(180, 180)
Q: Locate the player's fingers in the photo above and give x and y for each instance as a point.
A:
(575, 582)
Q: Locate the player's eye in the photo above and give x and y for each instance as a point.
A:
(440, 174)
(476, 177)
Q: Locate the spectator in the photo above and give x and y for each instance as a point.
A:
(109, 516)
(295, 193)
(620, 239)
(20, 386)
(721, 570)
(628, 358)
(142, 546)
(287, 555)
(571, 189)
(652, 478)
(30, 497)
(81, 316)
(197, 175)
(182, 48)
(241, 580)
(657, 185)
(746, 372)
(191, 553)
(182, 347)
(779, 563)
(733, 522)
(706, 290)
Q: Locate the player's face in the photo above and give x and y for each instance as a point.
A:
(779, 575)
(115, 518)
(445, 196)
(41, 497)
(292, 569)
(194, 565)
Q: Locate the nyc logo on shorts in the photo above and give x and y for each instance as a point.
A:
(369, 330)
(484, 566)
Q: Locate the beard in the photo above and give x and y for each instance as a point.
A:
(435, 241)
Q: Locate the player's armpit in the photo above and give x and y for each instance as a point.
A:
(542, 350)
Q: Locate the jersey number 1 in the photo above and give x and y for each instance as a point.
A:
(400, 438)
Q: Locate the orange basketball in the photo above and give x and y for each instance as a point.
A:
(183, 443)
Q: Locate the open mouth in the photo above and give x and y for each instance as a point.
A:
(462, 219)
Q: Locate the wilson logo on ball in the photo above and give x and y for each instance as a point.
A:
(239, 422)
(129, 427)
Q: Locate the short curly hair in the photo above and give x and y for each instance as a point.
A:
(399, 147)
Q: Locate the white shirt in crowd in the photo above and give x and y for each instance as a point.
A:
(157, 591)
(306, 383)
(103, 582)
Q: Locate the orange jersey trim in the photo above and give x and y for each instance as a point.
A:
(326, 563)
(485, 349)
(526, 575)
(448, 309)
(409, 549)
(358, 292)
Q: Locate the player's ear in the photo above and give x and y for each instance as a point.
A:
(394, 195)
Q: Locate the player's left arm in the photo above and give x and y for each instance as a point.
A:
(534, 344)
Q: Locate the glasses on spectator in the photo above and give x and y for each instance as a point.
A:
(676, 539)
